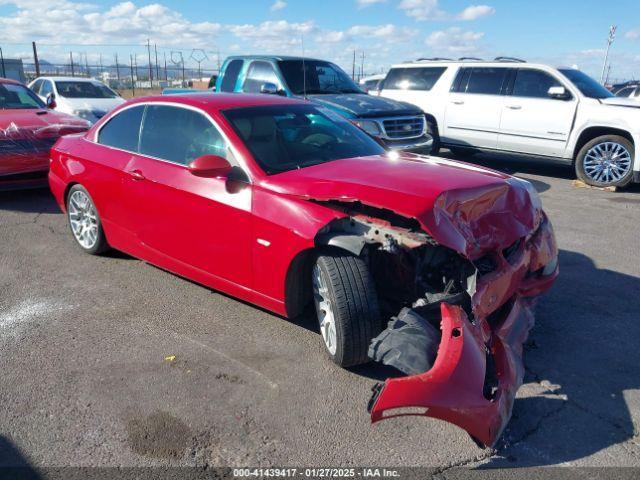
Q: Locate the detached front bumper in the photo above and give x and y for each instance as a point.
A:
(479, 366)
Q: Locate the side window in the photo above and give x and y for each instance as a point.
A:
(486, 81)
(230, 77)
(624, 92)
(533, 84)
(179, 135)
(123, 129)
(259, 74)
(416, 78)
(46, 88)
(36, 86)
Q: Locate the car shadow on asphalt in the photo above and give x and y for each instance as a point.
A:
(13, 464)
(38, 200)
(583, 353)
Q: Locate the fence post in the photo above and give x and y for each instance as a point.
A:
(35, 59)
(4, 73)
(71, 58)
(117, 69)
(133, 82)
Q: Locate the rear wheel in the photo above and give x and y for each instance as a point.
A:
(347, 307)
(85, 222)
(606, 161)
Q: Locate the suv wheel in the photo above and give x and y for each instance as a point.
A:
(347, 307)
(606, 161)
(432, 129)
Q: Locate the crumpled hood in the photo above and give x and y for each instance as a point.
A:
(469, 209)
(362, 105)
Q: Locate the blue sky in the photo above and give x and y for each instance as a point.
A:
(387, 31)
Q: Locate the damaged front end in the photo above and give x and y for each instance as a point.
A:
(460, 300)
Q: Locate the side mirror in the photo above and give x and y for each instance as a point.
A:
(51, 101)
(269, 88)
(212, 166)
(559, 93)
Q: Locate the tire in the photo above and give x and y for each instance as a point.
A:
(344, 292)
(587, 167)
(84, 221)
(462, 152)
(432, 129)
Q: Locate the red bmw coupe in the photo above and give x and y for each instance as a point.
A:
(28, 130)
(425, 264)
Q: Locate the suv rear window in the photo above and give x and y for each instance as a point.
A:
(480, 80)
(413, 78)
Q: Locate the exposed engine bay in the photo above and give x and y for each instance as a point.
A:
(453, 326)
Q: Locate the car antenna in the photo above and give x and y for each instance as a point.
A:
(304, 69)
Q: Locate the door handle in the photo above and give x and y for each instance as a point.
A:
(514, 107)
(458, 102)
(136, 175)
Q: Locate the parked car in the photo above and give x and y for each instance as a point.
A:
(512, 106)
(28, 130)
(371, 83)
(84, 97)
(397, 125)
(283, 203)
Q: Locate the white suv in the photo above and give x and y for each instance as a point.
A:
(509, 105)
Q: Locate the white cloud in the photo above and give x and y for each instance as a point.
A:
(474, 12)
(632, 34)
(274, 35)
(454, 41)
(278, 5)
(368, 3)
(423, 10)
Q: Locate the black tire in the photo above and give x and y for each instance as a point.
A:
(432, 129)
(354, 305)
(462, 152)
(580, 158)
(101, 245)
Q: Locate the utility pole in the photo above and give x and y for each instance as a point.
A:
(4, 73)
(612, 37)
(362, 66)
(117, 69)
(101, 67)
(73, 74)
(150, 66)
(353, 66)
(155, 48)
(166, 77)
(133, 82)
(35, 59)
(86, 63)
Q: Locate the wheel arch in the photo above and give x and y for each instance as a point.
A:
(590, 133)
(65, 196)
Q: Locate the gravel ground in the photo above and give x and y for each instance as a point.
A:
(108, 361)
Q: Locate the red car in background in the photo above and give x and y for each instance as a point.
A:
(28, 130)
(425, 264)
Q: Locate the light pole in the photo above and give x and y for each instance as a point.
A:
(612, 37)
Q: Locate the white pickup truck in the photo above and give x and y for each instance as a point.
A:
(508, 105)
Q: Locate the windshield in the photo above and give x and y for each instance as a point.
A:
(321, 78)
(287, 137)
(13, 97)
(84, 90)
(587, 85)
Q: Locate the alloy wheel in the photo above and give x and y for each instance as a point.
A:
(607, 162)
(83, 219)
(324, 309)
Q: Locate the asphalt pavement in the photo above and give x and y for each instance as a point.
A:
(108, 361)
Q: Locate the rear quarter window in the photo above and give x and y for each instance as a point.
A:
(122, 130)
(413, 78)
(230, 76)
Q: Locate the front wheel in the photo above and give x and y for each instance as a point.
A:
(606, 161)
(85, 222)
(347, 307)
(432, 129)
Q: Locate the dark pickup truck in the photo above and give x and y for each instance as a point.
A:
(398, 125)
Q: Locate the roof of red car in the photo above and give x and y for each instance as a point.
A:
(220, 101)
(9, 80)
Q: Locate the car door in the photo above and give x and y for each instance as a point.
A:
(472, 114)
(189, 223)
(532, 122)
(116, 143)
